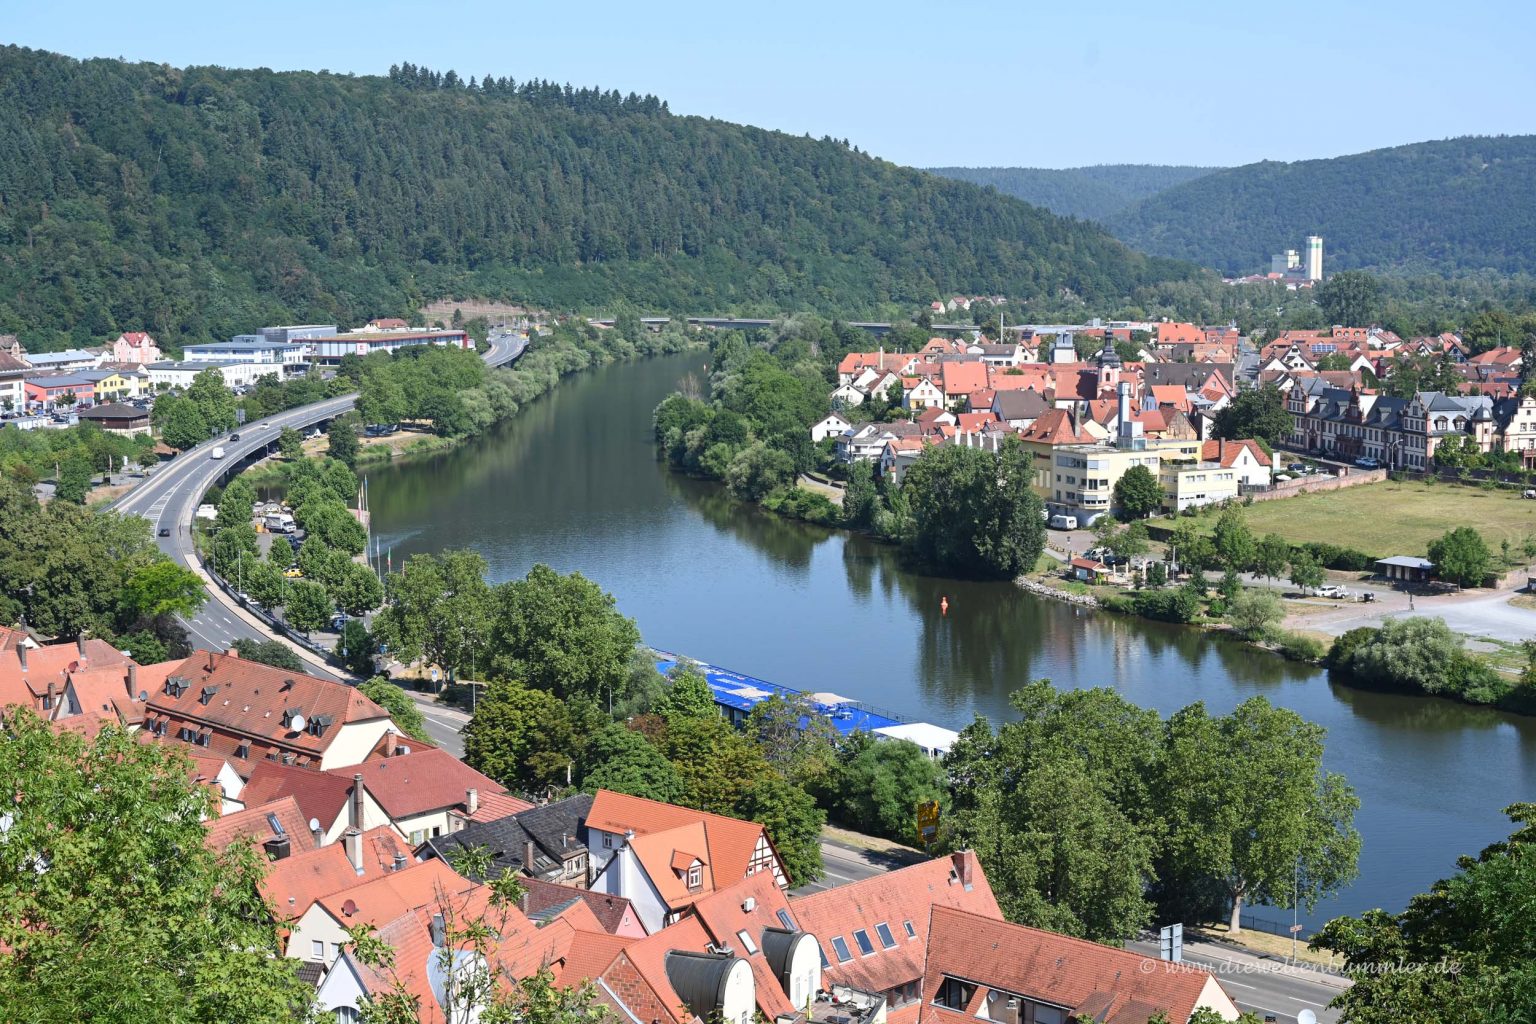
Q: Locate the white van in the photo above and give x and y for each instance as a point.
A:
(218, 453)
(1063, 522)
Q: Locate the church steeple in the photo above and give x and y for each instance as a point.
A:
(1109, 366)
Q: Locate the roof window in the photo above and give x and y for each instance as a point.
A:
(884, 931)
(862, 938)
(911, 932)
(840, 947)
(784, 919)
(746, 942)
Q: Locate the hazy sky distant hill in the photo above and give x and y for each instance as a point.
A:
(1092, 193)
(1456, 205)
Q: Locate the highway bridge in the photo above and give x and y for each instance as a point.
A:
(749, 324)
(169, 497)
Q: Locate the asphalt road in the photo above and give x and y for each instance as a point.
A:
(1266, 987)
(169, 499)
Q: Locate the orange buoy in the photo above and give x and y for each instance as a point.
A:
(943, 605)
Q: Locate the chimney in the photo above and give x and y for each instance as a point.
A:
(133, 680)
(390, 742)
(963, 870)
(471, 801)
(528, 856)
(21, 652)
(211, 662)
(231, 653)
(400, 862)
(1221, 451)
(352, 839)
(80, 645)
(319, 832)
(357, 800)
(439, 931)
(52, 696)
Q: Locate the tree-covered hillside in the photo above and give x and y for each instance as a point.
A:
(206, 201)
(1453, 206)
(1092, 193)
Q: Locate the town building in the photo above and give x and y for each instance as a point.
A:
(133, 347)
(65, 361)
(329, 349)
(289, 356)
(13, 390)
(166, 375)
(545, 842)
(117, 418)
(50, 390)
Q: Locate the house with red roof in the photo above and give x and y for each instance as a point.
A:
(248, 712)
(1247, 457)
(319, 934)
(43, 678)
(427, 792)
(958, 379)
(663, 859)
(277, 827)
(979, 966)
(134, 347)
(294, 881)
(919, 393)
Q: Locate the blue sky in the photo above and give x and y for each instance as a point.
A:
(1008, 83)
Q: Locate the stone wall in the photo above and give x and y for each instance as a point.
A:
(1312, 484)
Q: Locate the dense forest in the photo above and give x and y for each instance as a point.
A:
(204, 201)
(1092, 193)
(1448, 207)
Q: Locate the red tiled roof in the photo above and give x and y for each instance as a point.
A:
(292, 884)
(730, 841)
(1054, 427)
(385, 898)
(666, 860)
(421, 781)
(1109, 985)
(320, 795)
(725, 915)
(1211, 451)
(51, 664)
(591, 955)
(607, 909)
(961, 378)
(641, 969)
(254, 823)
(894, 899)
(250, 699)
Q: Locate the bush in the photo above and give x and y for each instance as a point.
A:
(1333, 556)
(808, 506)
(1418, 655)
(1254, 612)
(1296, 647)
(1179, 605)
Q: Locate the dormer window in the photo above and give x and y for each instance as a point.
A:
(695, 876)
(207, 694)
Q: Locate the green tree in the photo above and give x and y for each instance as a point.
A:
(624, 761)
(290, 444)
(1350, 298)
(1131, 542)
(439, 609)
(308, 607)
(1234, 543)
(1250, 809)
(974, 513)
(1461, 557)
(1467, 932)
(213, 400)
(1306, 571)
(1270, 556)
(757, 470)
(402, 709)
(269, 652)
(1257, 413)
(356, 647)
(879, 789)
(161, 588)
(105, 861)
(236, 503)
(357, 591)
(264, 581)
(1137, 493)
(562, 634)
(521, 737)
(74, 480)
(341, 436)
(860, 497)
(1253, 613)
(687, 693)
(801, 744)
(1193, 550)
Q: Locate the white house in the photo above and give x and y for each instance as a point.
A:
(847, 396)
(921, 394)
(275, 353)
(1245, 458)
(179, 375)
(830, 425)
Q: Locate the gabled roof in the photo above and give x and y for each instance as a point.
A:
(554, 829)
(1212, 451)
(385, 898)
(1020, 405)
(1112, 986)
(893, 899)
(668, 856)
(608, 909)
(640, 969)
(1056, 427)
(54, 664)
(293, 884)
(256, 823)
(730, 841)
(321, 795)
(961, 378)
(424, 780)
(725, 915)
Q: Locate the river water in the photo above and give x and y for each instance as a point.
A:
(573, 482)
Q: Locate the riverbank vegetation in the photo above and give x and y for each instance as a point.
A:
(1422, 655)
(1093, 817)
(1459, 952)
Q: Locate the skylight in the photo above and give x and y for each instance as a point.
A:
(746, 942)
(862, 938)
(884, 931)
(785, 920)
(911, 932)
(841, 949)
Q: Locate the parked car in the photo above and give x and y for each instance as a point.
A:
(1063, 522)
(1366, 462)
(1331, 591)
(1528, 494)
(1297, 467)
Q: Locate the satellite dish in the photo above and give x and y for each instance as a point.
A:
(314, 824)
(1306, 1017)
(348, 908)
(296, 723)
(143, 696)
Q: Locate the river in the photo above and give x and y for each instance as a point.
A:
(573, 482)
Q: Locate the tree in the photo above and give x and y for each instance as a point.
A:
(1137, 493)
(1250, 809)
(522, 737)
(687, 693)
(342, 441)
(264, 581)
(402, 709)
(878, 790)
(859, 497)
(1306, 571)
(1257, 413)
(356, 647)
(562, 634)
(1131, 541)
(105, 862)
(213, 400)
(1270, 556)
(974, 512)
(162, 588)
(1350, 298)
(1253, 613)
(1461, 557)
(798, 742)
(357, 591)
(236, 503)
(757, 470)
(1234, 543)
(1193, 550)
(74, 480)
(307, 607)
(439, 609)
(290, 444)
(624, 761)
(1466, 939)
(268, 652)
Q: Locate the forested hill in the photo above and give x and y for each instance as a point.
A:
(205, 201)
(1092, 193)
(1457, 205)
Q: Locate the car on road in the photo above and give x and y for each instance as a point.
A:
(218, 453)
(234, 437)
(165, 531)
(1366, 462)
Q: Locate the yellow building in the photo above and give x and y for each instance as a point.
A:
(117, 385)
(1189, 483)
(1083, 476)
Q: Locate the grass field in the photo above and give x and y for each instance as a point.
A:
(1392, 518)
